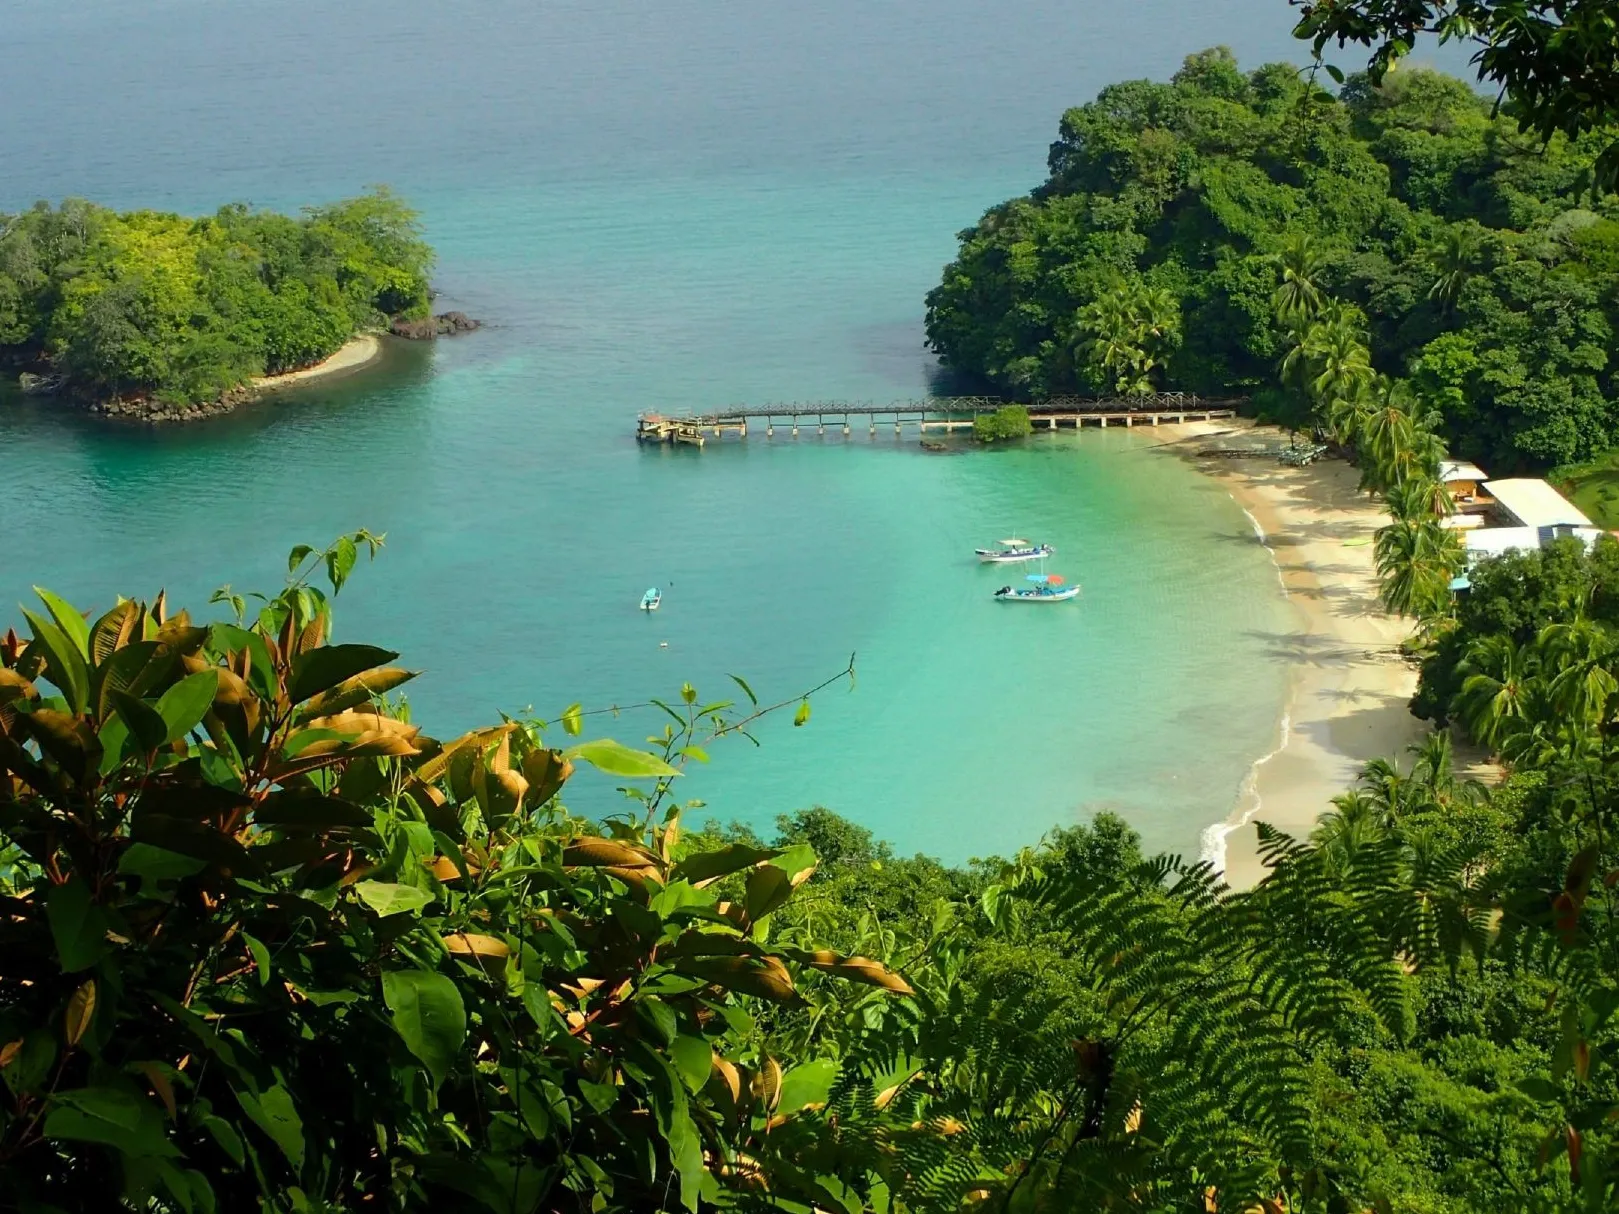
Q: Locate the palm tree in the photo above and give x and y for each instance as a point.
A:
(1128, 331)
(1388, 436)
(1299, 297)
(1416, 560)
(1499, 689)
(1453, 260)
(1418, 497)
(1340, 365)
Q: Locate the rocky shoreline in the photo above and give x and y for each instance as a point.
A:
(154, 412)
(445, 324)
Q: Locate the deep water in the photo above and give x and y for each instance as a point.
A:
(666, 206)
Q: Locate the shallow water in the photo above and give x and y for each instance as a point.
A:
(704, 203)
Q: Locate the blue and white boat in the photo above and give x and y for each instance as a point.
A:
(651, 599)
(1013, 550)
(1047, 588)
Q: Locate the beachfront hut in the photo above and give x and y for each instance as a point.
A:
(1526, 502)
(1463, 479)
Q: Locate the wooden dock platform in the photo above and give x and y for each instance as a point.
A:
(934, 413)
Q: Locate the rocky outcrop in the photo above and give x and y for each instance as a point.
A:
(39, 385)
(157, 411)
(445, 324)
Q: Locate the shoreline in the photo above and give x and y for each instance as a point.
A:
(1349, 686)
(359, 351)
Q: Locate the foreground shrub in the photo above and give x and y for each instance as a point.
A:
(269, 945)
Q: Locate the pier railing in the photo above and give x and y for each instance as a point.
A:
(945, 413)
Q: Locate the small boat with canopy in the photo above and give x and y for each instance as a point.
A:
(1012, 550)
(652, 599)
(1045, 588)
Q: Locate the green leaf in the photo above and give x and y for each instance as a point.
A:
(68, 619)
(388, 899)
(298, 555)
(78, 925)
(734, 857)
(183, 706)
(573, 720)
(64, 664)
(340, 559)
(746, 690)
(429, 1017)
(616, 759)
(261, 956)
(145, 723)
(532, 1103)
(802, 716)
(30, 1067)
(599, 1096)
(152, 864)
(274, 1113)
(115, 1117)
(322, 669)
(228, 1139)
(806, 1084)
(1336, 73)
(686, 1153)
(694, 1059)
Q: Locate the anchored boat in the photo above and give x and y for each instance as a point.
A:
(1047, 588)
(651, 599)
(1013, 550)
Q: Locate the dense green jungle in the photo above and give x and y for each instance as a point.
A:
(103, 304)
(1483, 260)
(269, 943)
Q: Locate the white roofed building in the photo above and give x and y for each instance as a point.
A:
(1534, 503)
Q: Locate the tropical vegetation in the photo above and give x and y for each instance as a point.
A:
(1009, 421)
(1189, 234)
(146, 304)
(270, 945)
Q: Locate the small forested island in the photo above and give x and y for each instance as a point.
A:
(158, 315)
(1473, 254)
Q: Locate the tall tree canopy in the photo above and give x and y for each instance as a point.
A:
(1473, 251)
(145, 303)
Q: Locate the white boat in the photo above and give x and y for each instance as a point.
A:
(1010, 551)
(1047, 588)
(651, 599)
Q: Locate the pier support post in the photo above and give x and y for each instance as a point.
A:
(1103, 420)
(845, 428)
(896, 427)
(770, 430)
(744, 427)
(873, 429)
(795, 429)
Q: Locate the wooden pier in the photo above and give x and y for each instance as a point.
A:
(933, 413)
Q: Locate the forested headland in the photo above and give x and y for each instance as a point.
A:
(1478, 258)
(147, 305)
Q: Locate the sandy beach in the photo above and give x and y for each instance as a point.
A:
(1347, 702)
(356, 353)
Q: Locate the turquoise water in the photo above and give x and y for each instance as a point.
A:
(703, 203)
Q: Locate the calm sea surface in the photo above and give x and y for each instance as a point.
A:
(670, 205)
